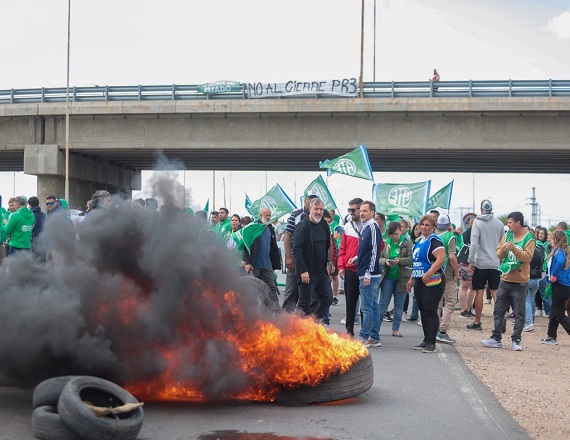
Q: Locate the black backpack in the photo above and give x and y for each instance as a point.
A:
(537, 262)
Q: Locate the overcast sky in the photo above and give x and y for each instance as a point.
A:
(127, 42)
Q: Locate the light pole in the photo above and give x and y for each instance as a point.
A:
(67, 105)
(361, 86)
(374, 55)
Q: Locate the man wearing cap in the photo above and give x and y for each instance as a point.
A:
(486, 233)
(451, 275)
(291, 294)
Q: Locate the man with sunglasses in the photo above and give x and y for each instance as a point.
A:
(52, 205)
(347, 261)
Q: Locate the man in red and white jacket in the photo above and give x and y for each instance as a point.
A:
(347, 261)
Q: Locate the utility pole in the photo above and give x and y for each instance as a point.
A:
(534, 208)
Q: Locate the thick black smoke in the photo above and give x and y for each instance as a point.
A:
(129, 284)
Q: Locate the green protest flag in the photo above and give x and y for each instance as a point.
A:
(401, 198)
(248, 205)
(251, 232)
(442, 198)
(319, 187)
(276, 200)
(207, 207)
(355, 164)
(216, 87)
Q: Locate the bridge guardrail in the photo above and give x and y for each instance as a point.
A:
(388, 89)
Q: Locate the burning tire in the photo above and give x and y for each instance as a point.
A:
(47, 392)
(267, 299)
(98, 392)
(47, 425)
(357, 380)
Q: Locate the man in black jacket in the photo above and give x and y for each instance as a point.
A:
(312, 252)
(265, 256)
(40, 218)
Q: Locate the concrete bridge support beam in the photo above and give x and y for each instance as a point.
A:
(86, 175)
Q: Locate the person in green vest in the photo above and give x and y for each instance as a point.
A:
(235, 239)
(447, 303)
(224, 226)
(19, 227)
(458, 234)
(515, 250)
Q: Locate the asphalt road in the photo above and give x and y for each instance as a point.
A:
(415, 395)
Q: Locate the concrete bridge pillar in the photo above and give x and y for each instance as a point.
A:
(86, 175)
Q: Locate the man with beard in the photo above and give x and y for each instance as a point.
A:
(291, 295)
(261, 253)
(312, 253)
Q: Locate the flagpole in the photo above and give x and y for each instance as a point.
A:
(214, 189)
(224, 188)
(361, 92)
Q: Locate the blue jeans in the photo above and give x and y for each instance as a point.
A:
(371, 310)
(530, 301)
(320, 288)
(546, 302)
(388, 288)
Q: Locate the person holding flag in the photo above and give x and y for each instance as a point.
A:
(261, 254)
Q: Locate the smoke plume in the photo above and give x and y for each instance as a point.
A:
(112, 297)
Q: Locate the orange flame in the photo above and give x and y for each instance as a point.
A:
(272, 356)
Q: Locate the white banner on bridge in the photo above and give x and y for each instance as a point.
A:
(343, 87)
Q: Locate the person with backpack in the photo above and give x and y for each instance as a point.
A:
(536, 265)
(466, 294)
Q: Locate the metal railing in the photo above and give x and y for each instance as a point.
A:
(390, 89)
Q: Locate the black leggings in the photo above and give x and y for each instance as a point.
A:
(428, 301)
(560, 294)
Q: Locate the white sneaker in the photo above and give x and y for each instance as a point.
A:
(492, 342)
(487, 301)
(516, 346)
(528, 328)
(538, 313)
(343, 321)
(419, 321)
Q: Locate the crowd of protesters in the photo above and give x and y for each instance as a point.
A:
(382, 260)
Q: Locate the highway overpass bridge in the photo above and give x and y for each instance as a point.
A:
(112, 140)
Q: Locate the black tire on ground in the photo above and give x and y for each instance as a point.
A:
(357, 380)
(48, 391)
(98, 392)
(47, 425)
(267, 299)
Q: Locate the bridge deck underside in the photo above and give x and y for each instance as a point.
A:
(405, 160)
